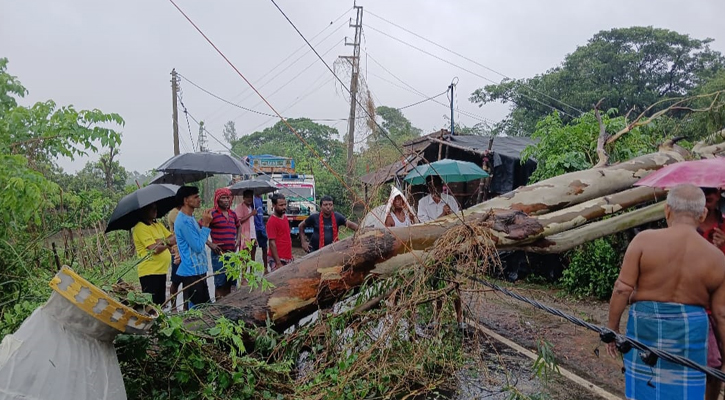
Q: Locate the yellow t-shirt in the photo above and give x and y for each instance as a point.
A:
(144, 236)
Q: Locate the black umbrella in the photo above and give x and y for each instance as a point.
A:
(205, 164)
(125, 216)
(257, 185)
(177, 179)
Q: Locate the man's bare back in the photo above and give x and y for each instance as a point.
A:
(675, 265)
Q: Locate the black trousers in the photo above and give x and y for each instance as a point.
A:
(156, 285)
(196, 293)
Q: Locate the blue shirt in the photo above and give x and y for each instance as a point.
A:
(259, 218)
(191, 239)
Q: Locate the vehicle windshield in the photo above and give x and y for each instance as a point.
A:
(297, 192)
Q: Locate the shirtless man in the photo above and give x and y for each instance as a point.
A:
(669, 276)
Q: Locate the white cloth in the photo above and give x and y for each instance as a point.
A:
(405, 222)
(60, 352)
(428, 210)
(376, 217)
(252, 227)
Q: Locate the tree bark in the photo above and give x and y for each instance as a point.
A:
(321, 278)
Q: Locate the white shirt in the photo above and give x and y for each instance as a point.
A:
(428, 210)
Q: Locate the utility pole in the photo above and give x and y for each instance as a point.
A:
(201, 141)
(452, 123)
(175, 115)
(355, 62)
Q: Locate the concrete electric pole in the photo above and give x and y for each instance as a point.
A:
(175, 115)
(355, 63)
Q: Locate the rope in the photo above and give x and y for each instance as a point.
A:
(624, 343)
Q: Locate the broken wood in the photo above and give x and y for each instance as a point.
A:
(550, 216)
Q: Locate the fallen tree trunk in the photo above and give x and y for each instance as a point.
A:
(321, 278)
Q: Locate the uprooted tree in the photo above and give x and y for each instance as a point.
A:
(551, 216)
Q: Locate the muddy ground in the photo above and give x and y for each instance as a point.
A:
(574, 347)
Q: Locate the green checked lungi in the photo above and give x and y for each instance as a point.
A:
(677, 329)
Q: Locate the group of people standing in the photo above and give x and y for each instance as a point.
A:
(220, 229)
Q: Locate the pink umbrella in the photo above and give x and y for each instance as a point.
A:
(702, 173)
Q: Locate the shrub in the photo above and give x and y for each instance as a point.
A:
(593, 268)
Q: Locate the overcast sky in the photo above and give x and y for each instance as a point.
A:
(117, 56)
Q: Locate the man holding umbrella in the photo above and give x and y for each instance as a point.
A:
(435, 204)
(191, 239)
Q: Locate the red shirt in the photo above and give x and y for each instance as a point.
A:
(707, 234)
(278, 230)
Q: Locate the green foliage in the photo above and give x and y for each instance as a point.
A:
(32, 206)
(545, 366)
(280, 141)
(399, 128)
(563, 148)
(177, 362)
(241, 266)
(593, 268)
(627, 67)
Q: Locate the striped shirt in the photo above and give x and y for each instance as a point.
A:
(224, 230)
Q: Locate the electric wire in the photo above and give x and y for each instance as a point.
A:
(411, 89)
(358, 103)
(260, 80)
(624, 343)
(181, 101)
(212, 94)
(302, 139)
(473, 61)
(467, 70)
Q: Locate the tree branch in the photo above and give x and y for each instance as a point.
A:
(673, 107)
(602, 140)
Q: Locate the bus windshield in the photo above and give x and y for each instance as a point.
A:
(298, 192)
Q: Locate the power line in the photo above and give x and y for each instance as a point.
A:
(290, 56)
(411, 89)
(272, 79)
(354, 98)
(212, 94)
(474, 61)
(284, 85)
(181, 101)
(299, 99)
(467, 70)
(300, 137)
(624, 343)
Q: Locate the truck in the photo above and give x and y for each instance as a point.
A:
(298, 189)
